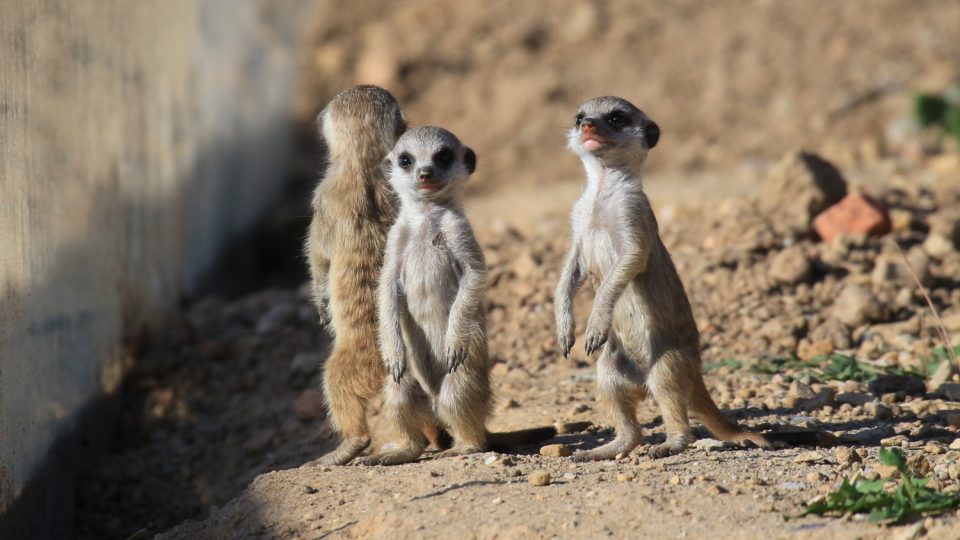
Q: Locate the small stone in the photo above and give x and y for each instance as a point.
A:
(878, 410)
(497, 500)
(955, 445)
(846, 456)
(856, 305)
(580, 408)
(790, 266)
(887, 471)
(896, 440)
(539, 478)
(867, 436)
(815, 477)
(938, 246)
(309, 490)
(675, 480)
(715, 489)
(555, 450)
(309, 405)
(569, 476)
(625, 477)
(809, 457)
(933, 448)
(855, 215)
(918, 465)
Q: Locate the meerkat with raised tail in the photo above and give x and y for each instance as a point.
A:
(432, 320)
(641, 320)
(353, 208)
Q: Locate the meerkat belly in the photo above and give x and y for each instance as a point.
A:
(598, 253)
(430, 281)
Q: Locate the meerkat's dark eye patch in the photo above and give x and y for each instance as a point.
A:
(578, 120)
(405, 161)
(618, 119)
(444, 158)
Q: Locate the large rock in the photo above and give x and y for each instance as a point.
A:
(801, 186)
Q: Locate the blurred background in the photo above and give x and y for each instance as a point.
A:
(156, 162)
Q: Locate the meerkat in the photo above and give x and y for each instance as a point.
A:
(353, 208)
(641, 320)
(432, 320)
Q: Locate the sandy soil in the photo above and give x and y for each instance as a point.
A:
(222, 409)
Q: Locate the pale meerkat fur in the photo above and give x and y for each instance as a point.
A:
(641, 320)
(432, 320)
(353, 208)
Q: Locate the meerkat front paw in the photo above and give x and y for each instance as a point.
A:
(456, 354)
(396, 365)
(566, 335)
(596, 335)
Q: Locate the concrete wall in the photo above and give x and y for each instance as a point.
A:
(137, 138)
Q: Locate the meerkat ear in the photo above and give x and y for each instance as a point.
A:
(651, 133)
(387, 167)
(469, 159)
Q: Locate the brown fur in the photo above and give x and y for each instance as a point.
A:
(353, 208)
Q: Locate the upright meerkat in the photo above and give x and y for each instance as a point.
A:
(432, 322)
(353, 208)
(641, 319)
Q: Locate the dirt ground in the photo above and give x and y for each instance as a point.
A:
(223, 410)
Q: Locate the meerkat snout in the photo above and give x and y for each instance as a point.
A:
(429, 162)
(608, 127)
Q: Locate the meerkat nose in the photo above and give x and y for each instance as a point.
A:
(587, 126)
(426, 173)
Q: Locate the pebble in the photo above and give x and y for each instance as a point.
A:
(539, 478)
(897, 440)
(716, 490)
(933, 448)
(555, 450)
(564, 428)
(878, 410)
(846, 456)
(955, 445)
(625, 477)
(790, 266)
(809, 457)
(856, 305)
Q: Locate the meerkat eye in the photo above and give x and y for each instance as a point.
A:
(617, 119)
(578, 120)
(444, 157)
(404, 161)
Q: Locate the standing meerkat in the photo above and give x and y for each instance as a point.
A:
(641, 321)
(353, 208)
(432, 322)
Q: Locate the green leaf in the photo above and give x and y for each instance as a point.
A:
(929, 109)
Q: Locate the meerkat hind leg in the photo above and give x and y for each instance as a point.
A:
(666, 385)
(463, 405)
(408, 409)
(348, 414)
(620, 388)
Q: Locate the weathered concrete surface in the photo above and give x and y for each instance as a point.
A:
(136, 139)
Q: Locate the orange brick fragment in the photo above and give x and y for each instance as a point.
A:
(855, 215)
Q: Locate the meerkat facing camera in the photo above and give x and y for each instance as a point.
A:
(432, 320)
(353, 208)
(641, 321)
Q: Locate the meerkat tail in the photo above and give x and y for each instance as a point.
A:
(501, 441)
(703, 407)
